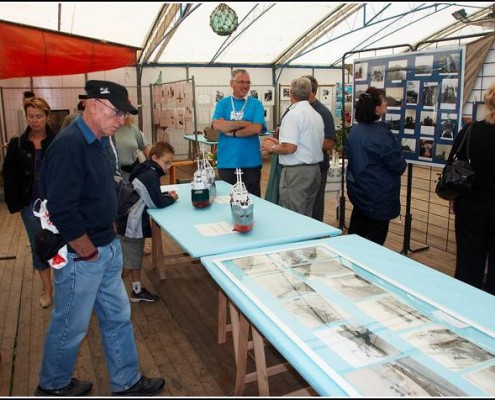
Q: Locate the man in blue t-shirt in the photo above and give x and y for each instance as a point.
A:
(240, 120)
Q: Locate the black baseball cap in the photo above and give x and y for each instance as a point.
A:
(117, 94)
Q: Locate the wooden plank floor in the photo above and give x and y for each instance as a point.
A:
(176, 336)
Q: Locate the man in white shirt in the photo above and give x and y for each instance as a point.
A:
(299, 147)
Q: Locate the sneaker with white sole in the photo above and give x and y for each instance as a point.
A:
(143, 295)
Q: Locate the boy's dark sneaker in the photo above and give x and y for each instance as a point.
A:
(143, 295)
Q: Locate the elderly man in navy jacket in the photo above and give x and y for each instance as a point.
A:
(77, 181)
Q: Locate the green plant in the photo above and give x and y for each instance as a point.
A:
(340, 134)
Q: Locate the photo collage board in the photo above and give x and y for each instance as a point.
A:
(372, 337)
(424, 92)
(173, 113)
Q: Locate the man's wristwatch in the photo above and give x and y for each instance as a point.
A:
(233, 133)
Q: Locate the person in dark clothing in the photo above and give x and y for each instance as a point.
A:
(135, 225)
(475, 211)
(328, 144)
(77, 182)
(21, 168)
(375, 165)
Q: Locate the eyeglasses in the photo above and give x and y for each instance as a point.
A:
(36, 116)
(242, 82)
(118, 113)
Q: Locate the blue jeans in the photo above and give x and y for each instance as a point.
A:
(30, 223)
(80, 287)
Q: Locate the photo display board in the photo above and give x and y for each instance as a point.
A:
(369, 336)
(173, 113)
(424, 93)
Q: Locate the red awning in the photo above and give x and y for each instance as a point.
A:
(26, 52)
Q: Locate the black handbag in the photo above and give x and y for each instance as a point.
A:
(47, 243)
(457, 176)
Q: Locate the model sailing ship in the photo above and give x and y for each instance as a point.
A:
(203, 188)
(241, 206)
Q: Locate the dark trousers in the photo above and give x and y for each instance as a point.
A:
(250, 176)
(475, 242)
(319, 207)
(372, 229)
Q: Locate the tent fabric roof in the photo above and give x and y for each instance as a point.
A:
(275, 34)
(27, 51)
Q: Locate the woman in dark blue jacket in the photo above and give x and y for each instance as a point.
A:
(21, 170)
(375, 166)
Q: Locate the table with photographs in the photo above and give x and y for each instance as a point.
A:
(357, 319)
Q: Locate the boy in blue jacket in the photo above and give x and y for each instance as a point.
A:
(135, 226)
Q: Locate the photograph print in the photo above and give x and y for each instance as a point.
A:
(446, 347)
(410, 121)
(283, 285)
(395, 97)
(360, 71)
(393, 313)
(428, 122)
(324, 268)
(285, 93)
(423, 65)
(314, 311)
(356, 344)
(393, 122)
(425, 149)
(325, 93)
(442, 152)
(449, 93)
(404, 377)
(429, 94)
(408, 145)
(412, 92)
(353, 286)
(448, 126)
(397, 70)
(449, 63)
(267, 97)
(484, 378)
(378, 76)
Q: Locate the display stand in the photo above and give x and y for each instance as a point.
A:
(406, 247)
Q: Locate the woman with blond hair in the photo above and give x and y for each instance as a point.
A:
(21, 174)
(475, 211)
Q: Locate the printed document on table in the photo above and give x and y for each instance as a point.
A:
(215, 229)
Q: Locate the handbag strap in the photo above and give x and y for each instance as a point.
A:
(465, 138)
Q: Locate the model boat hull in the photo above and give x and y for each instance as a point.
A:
(203, 197)
(242, 217)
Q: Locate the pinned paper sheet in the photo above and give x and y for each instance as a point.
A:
(168, 188)
(222, 199)
(215, 229)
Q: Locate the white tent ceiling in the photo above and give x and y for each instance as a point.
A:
(283, 33)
